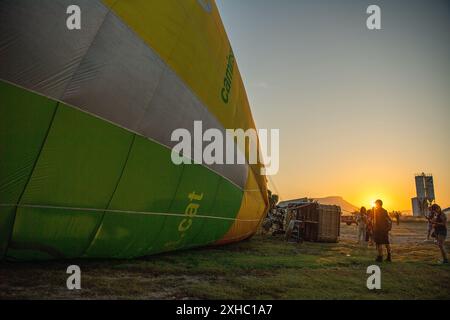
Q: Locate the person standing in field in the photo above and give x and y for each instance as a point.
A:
(397, 217)
(361, 221)
(381, 227)
(430, 218)
(440, 229)
(369, 227)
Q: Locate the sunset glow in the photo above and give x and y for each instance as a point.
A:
(354, 113)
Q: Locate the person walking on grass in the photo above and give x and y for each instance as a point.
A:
(361, 221)
(440, 229)
(381, 226)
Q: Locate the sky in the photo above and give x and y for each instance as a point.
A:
(360, 111)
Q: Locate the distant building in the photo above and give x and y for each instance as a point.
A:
(425, 194)
(416, 207)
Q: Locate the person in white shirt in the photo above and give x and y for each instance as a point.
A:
(361, 220)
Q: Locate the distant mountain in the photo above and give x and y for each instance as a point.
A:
(346, 206)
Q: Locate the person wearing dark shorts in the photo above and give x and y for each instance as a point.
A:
(382, 224)
(440, 229)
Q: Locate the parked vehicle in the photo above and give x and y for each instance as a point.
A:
(348, 219)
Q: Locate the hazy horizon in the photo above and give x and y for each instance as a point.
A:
(360, 112)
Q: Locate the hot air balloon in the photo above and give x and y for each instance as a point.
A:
(86, 116)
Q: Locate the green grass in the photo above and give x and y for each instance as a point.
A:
(261, 268)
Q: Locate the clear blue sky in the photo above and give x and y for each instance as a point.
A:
(359, 111)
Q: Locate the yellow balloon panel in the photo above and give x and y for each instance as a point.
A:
(190, 37)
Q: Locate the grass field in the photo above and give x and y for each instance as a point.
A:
(263, 267)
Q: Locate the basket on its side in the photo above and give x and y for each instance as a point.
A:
(329, 223)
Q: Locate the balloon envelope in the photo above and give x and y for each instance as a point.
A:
(86, 117)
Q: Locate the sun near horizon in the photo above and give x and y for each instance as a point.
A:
(360, 112)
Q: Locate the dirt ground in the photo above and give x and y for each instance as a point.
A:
(264, 267)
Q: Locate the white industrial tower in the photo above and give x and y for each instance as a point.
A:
(425, 194)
